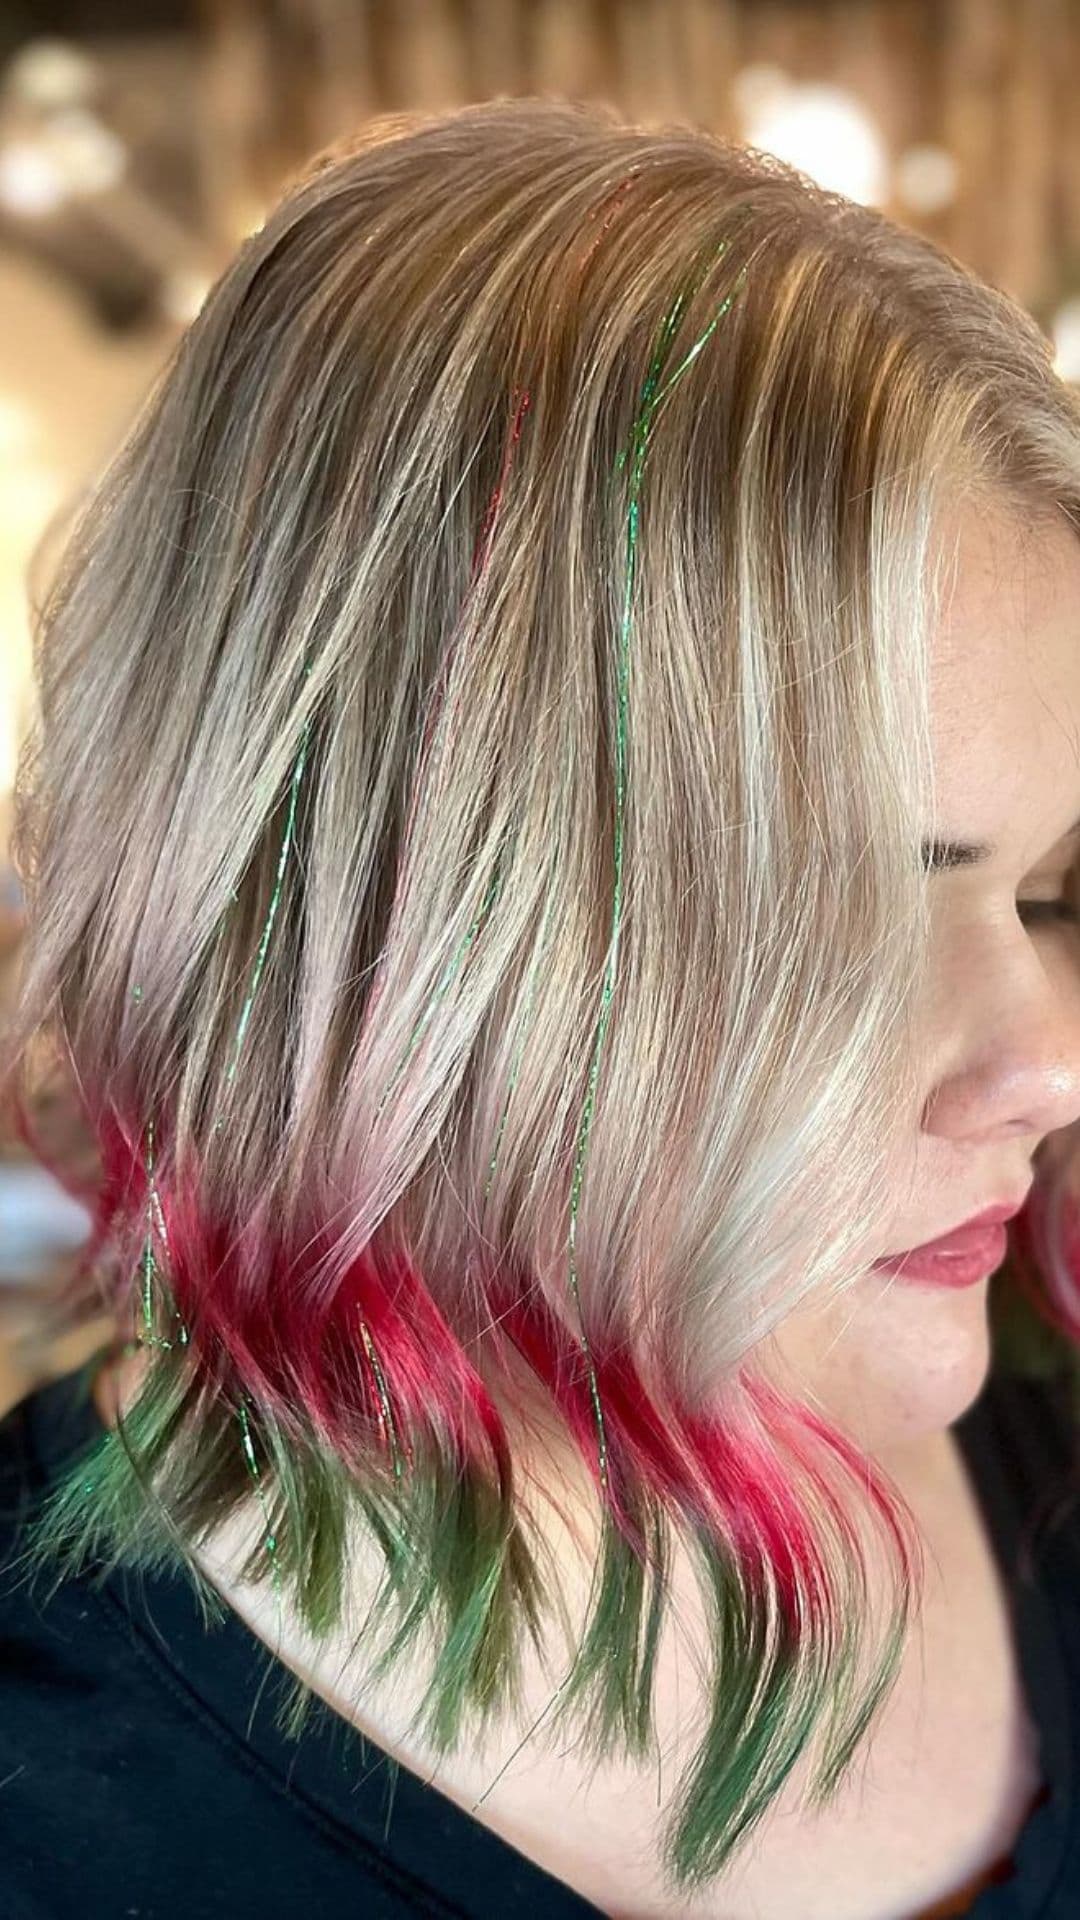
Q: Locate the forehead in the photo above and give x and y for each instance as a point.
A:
(1005, 673)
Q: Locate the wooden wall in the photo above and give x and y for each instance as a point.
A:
(995, 82)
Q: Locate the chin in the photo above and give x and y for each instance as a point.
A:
(891, 1363)
(926, 1364)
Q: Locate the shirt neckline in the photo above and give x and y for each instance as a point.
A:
(403, 1817)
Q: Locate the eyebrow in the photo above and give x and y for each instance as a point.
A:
(939, 855)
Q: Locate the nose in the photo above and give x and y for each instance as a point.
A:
(1008, 1060)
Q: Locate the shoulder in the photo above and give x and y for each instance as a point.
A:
(39, 1437)
(1021, 1444)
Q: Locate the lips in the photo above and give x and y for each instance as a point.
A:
(964, 1238)
(960, 1258)
(983, 1250)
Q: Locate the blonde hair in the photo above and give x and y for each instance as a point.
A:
(456, 752)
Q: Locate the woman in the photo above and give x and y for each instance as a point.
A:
(549, 852)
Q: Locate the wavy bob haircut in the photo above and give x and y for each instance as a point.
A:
(470, 845)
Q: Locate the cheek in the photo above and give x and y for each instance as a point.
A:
(889, 1362)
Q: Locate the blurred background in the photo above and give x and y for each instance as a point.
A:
(140, 140)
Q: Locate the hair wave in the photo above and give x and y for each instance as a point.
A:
(470, 847)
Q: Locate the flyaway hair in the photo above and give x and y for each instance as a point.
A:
(470, 840)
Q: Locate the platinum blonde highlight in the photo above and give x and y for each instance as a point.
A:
(279, 571)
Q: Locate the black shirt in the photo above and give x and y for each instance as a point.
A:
(142, 1776)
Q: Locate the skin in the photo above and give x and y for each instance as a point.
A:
(952, 1764)
(896, 1363)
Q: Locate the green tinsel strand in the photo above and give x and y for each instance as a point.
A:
(152, 1277)
(389, 1425)
(608, 1662)
(275, 897)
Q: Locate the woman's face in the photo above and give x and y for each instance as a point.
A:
(894, 1361)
